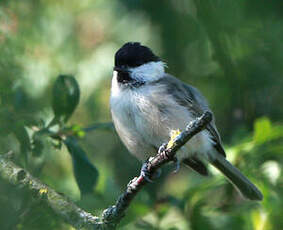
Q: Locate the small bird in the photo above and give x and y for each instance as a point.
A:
(147, 104)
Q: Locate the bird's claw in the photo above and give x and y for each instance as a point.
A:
(145, 172)
(162, 148)
(147, 175)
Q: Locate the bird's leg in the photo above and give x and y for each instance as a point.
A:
(178, 164)
(144, 171)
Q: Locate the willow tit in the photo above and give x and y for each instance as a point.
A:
(147, 104)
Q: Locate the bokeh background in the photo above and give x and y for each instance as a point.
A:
(231, 50)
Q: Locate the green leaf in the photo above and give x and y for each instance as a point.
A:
(78, 131)
(85, 172)
(66, 96)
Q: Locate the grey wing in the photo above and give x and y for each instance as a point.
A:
(192, 99)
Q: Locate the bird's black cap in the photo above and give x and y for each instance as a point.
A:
(133, 54)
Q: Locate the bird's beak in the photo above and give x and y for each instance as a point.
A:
(121, 69)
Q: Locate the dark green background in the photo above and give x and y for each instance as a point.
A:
(231, 50)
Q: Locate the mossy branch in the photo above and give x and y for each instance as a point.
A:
(61, 205)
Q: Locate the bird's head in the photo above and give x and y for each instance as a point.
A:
(136, 65)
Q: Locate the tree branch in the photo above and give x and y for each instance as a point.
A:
(114, 214)
(79, 218)
(68, 211)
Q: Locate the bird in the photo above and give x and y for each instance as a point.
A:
(147, 105)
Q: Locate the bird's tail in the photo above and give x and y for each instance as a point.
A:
(246, 187)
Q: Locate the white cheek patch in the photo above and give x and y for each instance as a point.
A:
(115, 74)
(115, 90)
(148, 72)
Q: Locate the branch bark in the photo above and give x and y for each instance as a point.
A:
(66, 209)
(111, 217)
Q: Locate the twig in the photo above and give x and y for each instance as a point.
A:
(111, 217)
(106, 126)
(68, 131)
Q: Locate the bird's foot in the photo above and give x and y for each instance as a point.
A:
(162, 148)
(162, 151)
(147, 175)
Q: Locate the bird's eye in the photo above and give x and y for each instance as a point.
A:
(123, 77)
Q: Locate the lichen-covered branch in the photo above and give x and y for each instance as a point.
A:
(69, 212)
(81, 219)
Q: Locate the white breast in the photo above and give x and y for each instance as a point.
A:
(145, 116)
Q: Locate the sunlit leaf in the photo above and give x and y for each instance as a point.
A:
(272, 171)
(78, 131)
(262, 130)
(260, 220)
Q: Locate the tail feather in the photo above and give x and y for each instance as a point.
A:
(246, 187)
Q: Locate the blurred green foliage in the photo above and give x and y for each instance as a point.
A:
(231, 50)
